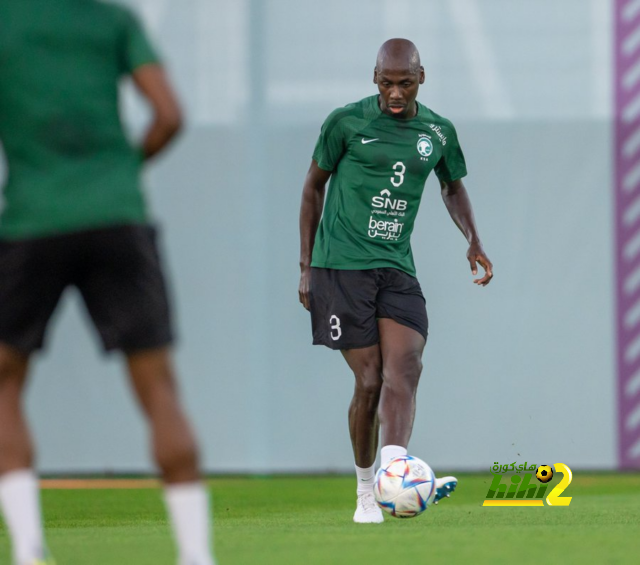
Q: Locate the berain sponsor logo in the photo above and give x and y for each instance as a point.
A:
(384, 229)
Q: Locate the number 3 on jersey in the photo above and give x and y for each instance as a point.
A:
(399, 170)
(336, 330)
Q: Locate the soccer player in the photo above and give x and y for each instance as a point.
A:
(74, 215)
(358, 275)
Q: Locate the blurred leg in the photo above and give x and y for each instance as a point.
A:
(174, 447)
(19, 495)
(175, 452)
(16, 451)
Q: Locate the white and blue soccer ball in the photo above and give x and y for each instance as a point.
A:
(405, 487)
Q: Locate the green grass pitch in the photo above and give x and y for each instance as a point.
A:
(307, 521)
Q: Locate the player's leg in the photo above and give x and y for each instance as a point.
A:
(19, 494)
(125, 292)
(154, 383)
(16, 451)
(366, 364)
(401, 348)
(403, 328)
(343, 317)
(34, 274)
(363, 426)
(175, 452)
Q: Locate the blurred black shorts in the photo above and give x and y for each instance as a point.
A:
(117, 271)
(346, 305)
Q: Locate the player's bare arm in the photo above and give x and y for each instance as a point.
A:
(310, 213)
(456, 199)
(153, 84)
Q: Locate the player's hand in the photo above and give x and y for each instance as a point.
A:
(476, 255)
(305, 285)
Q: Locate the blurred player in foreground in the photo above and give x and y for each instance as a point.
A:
(74, 215)
(358, 275)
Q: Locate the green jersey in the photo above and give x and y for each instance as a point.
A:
(70, 165)
(379, 166)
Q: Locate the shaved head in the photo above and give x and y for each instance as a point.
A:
(400, 54)
(398, 74)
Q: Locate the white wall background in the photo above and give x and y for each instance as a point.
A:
(520, 370)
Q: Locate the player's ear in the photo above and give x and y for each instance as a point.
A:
(375, 75)
(421, 74)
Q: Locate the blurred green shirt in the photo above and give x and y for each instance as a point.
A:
(70, 166)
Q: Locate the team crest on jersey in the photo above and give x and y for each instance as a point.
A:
(425, 147)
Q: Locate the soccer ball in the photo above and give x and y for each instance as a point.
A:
(405, 487)
(544, 473)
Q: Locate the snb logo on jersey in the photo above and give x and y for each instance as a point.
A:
(425, 146)
(383, 201)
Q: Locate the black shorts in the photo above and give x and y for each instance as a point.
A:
(117, 271)
(346, 305)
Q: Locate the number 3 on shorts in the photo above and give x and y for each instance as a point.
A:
(336, 330)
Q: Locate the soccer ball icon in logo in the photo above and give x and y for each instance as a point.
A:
(405, 487)
(544, 473)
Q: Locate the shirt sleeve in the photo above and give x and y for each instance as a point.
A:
(331, 144)
(135, 48)
(451, 165)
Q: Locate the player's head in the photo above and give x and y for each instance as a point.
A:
(398, 74)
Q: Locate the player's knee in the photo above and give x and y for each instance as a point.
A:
(185, 456)
(410, 365)
(178, 461)
(368, 380)
(415, 367)
(404, 374)
(369, 388)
